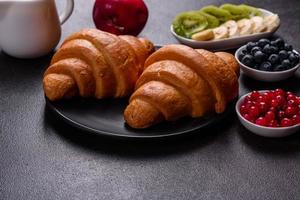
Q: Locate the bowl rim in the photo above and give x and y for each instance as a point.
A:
(237, 110)
(236, 55)
(267, 12)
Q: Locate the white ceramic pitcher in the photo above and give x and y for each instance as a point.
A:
(31, 28)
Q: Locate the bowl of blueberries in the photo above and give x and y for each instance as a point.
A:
(268, 60)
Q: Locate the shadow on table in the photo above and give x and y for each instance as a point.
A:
(274, 146)
(20, 73)
(136, 147)
(41, 62)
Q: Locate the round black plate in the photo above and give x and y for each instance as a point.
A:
(105, 117)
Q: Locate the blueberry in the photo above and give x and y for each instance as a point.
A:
(274, 59)
(279, 43)
(266, 66)
(286, 64)
(248, 60)
(283, 54)
(255, 49)
(294, 59)
(259, 57)
(267, 49)
(250, 46)
(244, 51)
(279, 68)
(274, 49)
(273, 43)
(241, 55)
(290, 52)
(288, 47)
(263, 42)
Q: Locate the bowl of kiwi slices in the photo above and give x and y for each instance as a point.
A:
(225, 27)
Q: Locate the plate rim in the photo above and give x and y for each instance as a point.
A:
(97, 132)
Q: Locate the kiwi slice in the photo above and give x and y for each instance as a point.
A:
(188, 23)
(237, 12)
(213, 22)
(222, 15)
(251, 11)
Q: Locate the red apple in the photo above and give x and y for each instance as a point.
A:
(120, 17)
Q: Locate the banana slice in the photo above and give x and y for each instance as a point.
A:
(221, 32)
(272, 22)
(245, 26)
(204, 35)
(233, 28)
(259, 25)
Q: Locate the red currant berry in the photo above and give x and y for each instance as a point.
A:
(270, 115)
(260, 99)
(248, 117)
(254, 111)
(298, 100)
(254, 95)
(291, 97)
(291, 102)
(296, 119)
(285, 122)
(280, 100)
(248, 104)
(268, 96)
(274, 103)
(290, 111)
(273, 123)
(271, 93)
(280, 92)
(247, 98)
(261, 121)
(243, 110)
(273, 109)
(263, 107)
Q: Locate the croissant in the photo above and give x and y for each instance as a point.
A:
(179, 81)
(93, 63)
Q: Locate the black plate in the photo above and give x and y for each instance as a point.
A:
(105, 117)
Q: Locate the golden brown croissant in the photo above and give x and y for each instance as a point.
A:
(93, 63)
(179, 81)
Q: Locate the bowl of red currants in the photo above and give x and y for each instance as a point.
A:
(272, 113)
(268, 60)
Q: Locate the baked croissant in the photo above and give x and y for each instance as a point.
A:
(179, 81)
(93, 63)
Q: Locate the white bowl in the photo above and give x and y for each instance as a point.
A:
(263, 130)
(265, 75)
(223, 44)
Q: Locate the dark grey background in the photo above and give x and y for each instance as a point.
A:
(41, 158)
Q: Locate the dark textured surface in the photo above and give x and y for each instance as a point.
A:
(41, 158)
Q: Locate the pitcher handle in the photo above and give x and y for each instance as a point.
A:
(63, 17)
